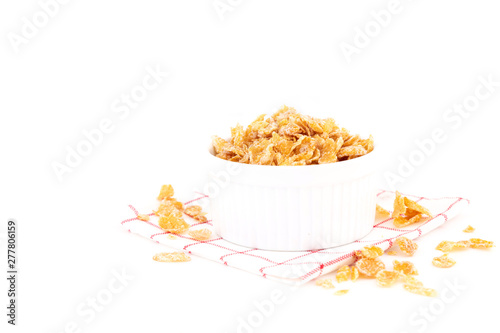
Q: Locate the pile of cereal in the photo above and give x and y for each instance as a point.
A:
(170, 219)
(368, 263)
(289, 138)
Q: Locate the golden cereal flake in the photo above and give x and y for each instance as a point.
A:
(405, 267)
(415, 218)
(477, 243)
(341, 292)
(407, 209)
(401, 222)
(143, 217)
(167, 191)
(177, 204)
(410, 204)
(238, 135)
(420, 290)
(330, 150)
(325, 283)
(371, 252)
(407, 246)
(448, 246)
(200, 234)
(351, 151)
(392, 253)
(386, 278)
(369, 267)
(464, 244)
(407, 219)
(382, 212)
(167, 207)
(354, 273)
(171, 237)
(343, 274)
(399, 205)
(201, 218)
(445, 246)
(351, 140)
(368, 144)
(171, 257)
(443, 261)
(469, 229)
(173, 224)
(193, 210)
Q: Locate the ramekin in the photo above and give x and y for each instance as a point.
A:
(292, 208)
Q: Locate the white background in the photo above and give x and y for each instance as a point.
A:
(262, 54)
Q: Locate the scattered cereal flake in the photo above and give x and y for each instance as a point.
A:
(167, 191)
(172, 237)
(410, 204)
(343, 274)
(382, 212)
(341, 292)
(171, 257)
(401, 222)
(462, 244)
(445, 246)
(169, 206)
(448, 246)
(176, 204)
(407, 219)
(415, 218)
(469, 229)
(392, 253)
(405, 267)
(443, 262)
(407, 246)
(477, 243)
(143, 217)
(200, 234)
(420, 290)
(201, 218)
(407, 211)
(354, 273)
(371, 252)
(399, 205)
(325, 283)
(193, 210)
(358, 255)
(173, 224)
(369, 267)
(386, 278)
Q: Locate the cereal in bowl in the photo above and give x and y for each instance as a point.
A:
(290, 138)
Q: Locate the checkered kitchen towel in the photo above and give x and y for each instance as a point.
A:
(295, 267)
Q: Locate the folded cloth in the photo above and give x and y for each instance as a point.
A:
(295, 267)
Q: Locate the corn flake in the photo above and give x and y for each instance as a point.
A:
(469, 229)
(325, 283)
(200, 234)
(171, 257)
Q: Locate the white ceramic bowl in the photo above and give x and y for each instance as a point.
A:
(292, 208)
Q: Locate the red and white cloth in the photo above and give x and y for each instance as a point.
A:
(295, 267)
